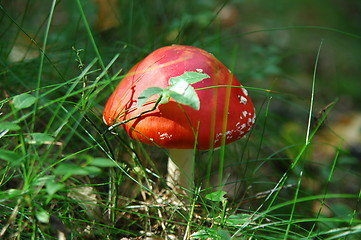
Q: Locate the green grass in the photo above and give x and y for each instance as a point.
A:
(63, 172)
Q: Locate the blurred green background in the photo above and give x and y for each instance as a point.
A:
(271, 46)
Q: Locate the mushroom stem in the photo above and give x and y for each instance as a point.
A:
(180, 170)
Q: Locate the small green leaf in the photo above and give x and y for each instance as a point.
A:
(24, 100)
(40, 138)
(13, 158)
(102, 162)
(223, 234)
(209, 233)
(146, 94)
(52, 187)
(10, 194)
(69, 169)
(9, 126)
(238, 220)
(189, 77)
(182, 92)
(42, 216)
(217, 196)
(8, 156)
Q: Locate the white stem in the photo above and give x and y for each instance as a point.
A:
(180, 170)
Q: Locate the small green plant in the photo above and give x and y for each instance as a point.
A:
(223, 222)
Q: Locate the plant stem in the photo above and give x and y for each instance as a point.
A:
(180, 171)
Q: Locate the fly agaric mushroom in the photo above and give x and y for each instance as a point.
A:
(225, 114)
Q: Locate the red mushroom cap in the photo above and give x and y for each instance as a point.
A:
(225, 107)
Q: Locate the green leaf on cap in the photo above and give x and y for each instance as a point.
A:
(189, 77)
(146, 94)
(183, 93)
(179, 89)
